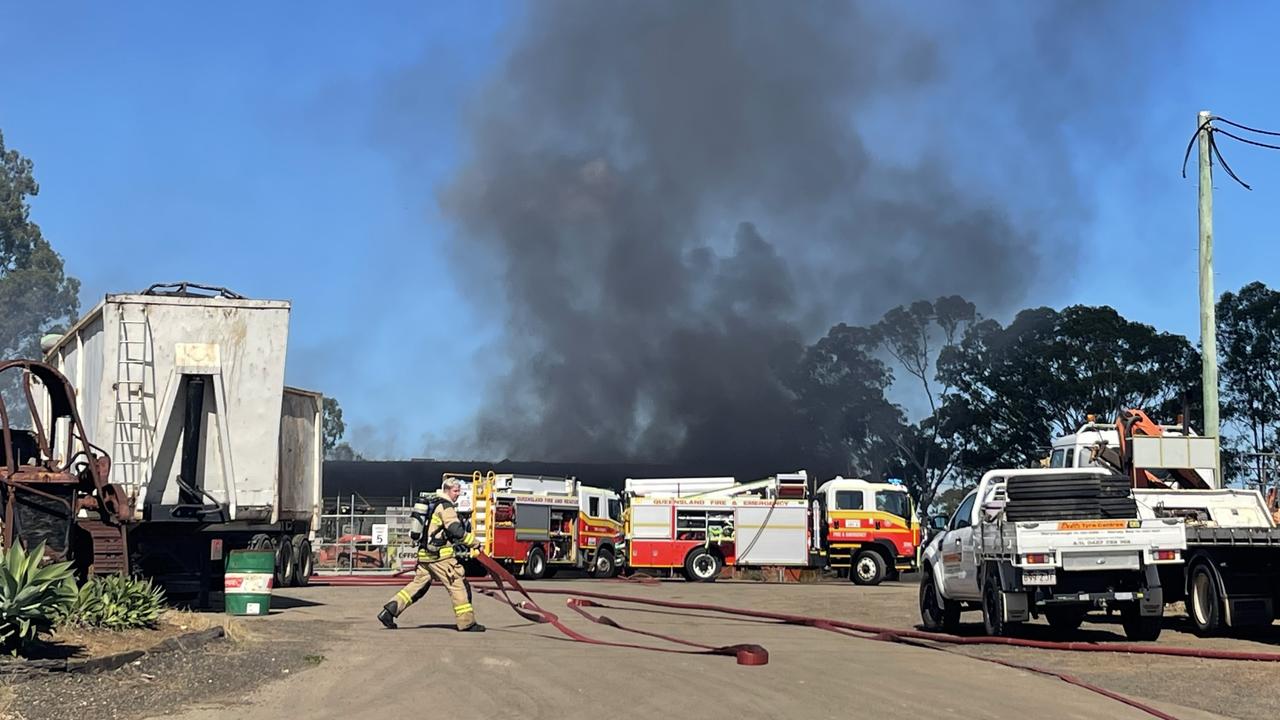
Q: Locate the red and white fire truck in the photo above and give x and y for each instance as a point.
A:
(865, 530)
(537, 525)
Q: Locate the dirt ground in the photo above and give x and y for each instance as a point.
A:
(321, 654)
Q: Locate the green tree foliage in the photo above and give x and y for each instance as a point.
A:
(35, 293)
(333, 431)
(333, 427)
(925, 455)
(1249, 346)
(1019, 386)
(839, 387)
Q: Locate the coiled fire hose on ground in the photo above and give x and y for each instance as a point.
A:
(751, 654)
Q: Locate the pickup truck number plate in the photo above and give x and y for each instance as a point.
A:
(1039, 577)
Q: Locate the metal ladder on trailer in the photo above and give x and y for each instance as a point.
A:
(132, 440)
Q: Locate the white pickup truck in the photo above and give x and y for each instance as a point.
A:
(1055, 542)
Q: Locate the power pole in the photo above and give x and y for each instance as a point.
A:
(1208, 324)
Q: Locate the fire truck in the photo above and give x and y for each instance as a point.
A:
(539, 525)
(697, 526)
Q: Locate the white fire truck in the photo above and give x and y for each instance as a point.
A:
(698, 526)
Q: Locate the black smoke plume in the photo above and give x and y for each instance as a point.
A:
(675, 197)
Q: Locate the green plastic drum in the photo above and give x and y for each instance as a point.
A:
(247, 582)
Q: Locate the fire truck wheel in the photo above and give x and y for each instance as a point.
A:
(535, 567)
(702, 565)
(604, 565)
(869, 568)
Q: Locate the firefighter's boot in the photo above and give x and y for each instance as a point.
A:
(474, 627)
(388, 615)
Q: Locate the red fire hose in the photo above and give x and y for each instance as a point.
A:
(750, 654)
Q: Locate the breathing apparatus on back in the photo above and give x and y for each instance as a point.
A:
(420, 516)
(420, 521)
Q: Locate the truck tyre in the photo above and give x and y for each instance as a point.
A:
(937, 617)
(868, 568)
(1066, 619)
(261, 541)
(702, 565)
(284, 563)
(1204, 605)
(535, 567)
(604, 565)
(1138, 626)
(303, 562)
(993, 621)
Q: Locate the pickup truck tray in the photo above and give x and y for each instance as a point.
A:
(1264, 537)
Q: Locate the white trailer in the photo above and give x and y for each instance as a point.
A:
(210, 450)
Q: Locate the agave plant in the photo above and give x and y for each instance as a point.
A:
(32, 597)
(116, 602)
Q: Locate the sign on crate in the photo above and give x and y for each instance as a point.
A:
(379, 534)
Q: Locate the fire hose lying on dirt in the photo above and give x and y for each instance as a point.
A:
(751, 654)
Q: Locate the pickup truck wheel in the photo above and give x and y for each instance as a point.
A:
(937, 616)
(702, 565)
(1138, 626)
(1065, 619)
(868, 568)
(1204, 606)
(535, 567)
(993, 622)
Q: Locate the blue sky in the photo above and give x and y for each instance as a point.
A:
(256, 136)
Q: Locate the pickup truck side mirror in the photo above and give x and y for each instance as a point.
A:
(938, 523)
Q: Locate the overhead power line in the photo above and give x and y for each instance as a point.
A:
(1207, 127)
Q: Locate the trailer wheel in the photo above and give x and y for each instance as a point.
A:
(261, 541)
(284, 563)
(702, 565)
(1138, 626)
(1204, 606)
(303, 562)
(535, 567)
(937, 617)
(869, 568)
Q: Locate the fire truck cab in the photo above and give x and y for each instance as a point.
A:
(867, 529)
(538, 525)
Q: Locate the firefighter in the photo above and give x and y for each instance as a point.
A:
(443, 539)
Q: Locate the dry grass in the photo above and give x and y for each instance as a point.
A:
(76, 642)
